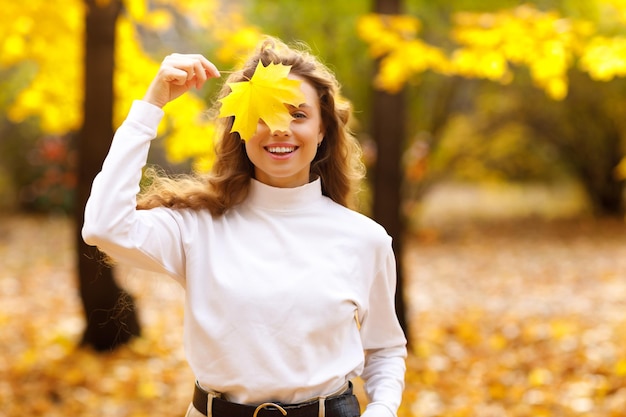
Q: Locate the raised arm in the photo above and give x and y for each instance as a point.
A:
(149, 239)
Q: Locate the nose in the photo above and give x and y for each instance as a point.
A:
(279, 132)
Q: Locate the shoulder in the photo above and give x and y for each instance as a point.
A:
(188, 220)
(357, 224)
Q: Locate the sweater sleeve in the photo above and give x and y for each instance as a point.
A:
(148, 239)
(385, 345)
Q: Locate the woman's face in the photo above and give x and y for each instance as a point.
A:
(283, 158)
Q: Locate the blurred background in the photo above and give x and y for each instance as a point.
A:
(493, 133)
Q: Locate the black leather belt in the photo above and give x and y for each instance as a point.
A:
(343, 405)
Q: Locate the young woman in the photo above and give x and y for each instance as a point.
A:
(289, 293)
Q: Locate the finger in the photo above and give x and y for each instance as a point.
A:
(175, 76)
(210, 68)
(200, 74)
(184, 60)
(185, 63)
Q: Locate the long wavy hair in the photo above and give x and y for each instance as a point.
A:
(337, 162)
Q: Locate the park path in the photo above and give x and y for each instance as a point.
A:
(568, 267)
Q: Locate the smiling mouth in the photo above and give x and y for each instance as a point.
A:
(281, 150)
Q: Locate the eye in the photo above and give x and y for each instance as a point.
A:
(299, 115)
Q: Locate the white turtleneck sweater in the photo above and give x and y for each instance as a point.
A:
(276, 288)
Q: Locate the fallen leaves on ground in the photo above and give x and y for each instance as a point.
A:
(518, 319)
(515, 319)
(43, 371)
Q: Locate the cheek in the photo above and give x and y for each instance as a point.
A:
(261, 131)
(251, 149)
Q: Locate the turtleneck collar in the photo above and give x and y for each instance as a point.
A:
(284, 199)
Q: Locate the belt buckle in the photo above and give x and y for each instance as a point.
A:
(265, 405)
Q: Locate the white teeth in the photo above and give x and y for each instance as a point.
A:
(280, 149)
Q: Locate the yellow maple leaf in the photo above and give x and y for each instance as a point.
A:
(263, 97)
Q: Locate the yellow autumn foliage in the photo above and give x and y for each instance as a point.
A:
(545, 42)
(394, 40)
(50, 38)
(616, 8)
(236, 38)
(604, 58)
(45, 35)
(489, 45)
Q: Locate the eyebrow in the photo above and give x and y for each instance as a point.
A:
(301, 106)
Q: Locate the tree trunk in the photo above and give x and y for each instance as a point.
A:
(597, 175)
(109, 310)
(596, 140)
(388, 118)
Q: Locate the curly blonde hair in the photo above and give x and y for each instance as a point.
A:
(337, 162)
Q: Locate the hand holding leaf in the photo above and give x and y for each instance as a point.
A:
(264, 97)
(177, 74)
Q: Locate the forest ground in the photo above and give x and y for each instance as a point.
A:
(508, 317)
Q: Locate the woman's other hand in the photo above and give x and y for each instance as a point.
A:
(179, 73)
